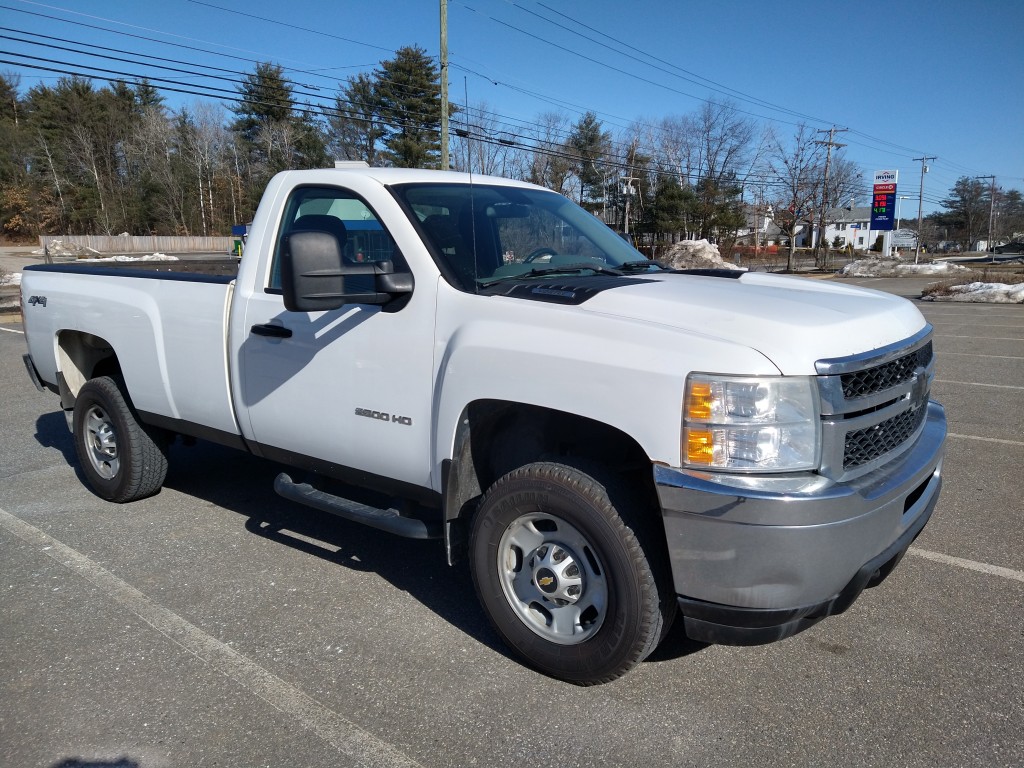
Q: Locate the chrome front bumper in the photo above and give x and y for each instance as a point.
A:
(757, 558)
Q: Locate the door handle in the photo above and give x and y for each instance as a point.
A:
(272, 331)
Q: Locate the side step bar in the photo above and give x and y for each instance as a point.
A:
(389, 520)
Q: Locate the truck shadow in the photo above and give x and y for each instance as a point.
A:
(243, 484)
(52, 432)
(309, 338)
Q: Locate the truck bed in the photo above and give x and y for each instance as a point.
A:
(222, 266)
(166, 324)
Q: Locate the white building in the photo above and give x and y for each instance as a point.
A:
(852, 226)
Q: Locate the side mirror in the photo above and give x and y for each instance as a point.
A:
(315, 277)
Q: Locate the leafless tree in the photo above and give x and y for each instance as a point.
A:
(480, 146)
(550, 164)
(845, 183)
(204, 148)
(798, 167)
(153, 149)
(82, 152)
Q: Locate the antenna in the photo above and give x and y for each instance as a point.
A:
(472, 196)
(444, 85)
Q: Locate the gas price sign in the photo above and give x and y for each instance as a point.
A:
(883, 201)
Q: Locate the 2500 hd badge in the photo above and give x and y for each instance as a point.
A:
(383, 416)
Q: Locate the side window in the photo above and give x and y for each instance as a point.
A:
(360, 234)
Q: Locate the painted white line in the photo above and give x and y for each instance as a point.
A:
(11, 330)
(348, 738)
(972, 354)
(978, 384)
(975, 338)
(987, 325)
(971, 565)
(985, 439)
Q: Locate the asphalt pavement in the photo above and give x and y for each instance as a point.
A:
(217, 625)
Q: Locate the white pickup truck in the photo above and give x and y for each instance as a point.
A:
(609, 442)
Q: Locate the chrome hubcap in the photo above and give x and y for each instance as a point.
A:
(552, 578)
(101, 443)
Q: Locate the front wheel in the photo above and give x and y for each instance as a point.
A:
(574, 583)
(122, 459)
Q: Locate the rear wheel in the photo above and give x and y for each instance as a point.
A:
(574, 583)
(122, 459)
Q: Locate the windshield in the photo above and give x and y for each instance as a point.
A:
(482, 233)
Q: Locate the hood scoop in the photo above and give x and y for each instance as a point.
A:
(733, 274)
(561, 290)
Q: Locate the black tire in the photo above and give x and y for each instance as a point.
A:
(577, 586)
(122, 459)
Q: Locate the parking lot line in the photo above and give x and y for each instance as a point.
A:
(987, 325)
(975, 338)
(975, 354)
(971, 565)
(11, 330)
(985, 439)
(977, 384)
(345, 736)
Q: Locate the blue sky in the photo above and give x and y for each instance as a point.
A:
(908, 78)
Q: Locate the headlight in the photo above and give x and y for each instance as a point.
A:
(753, 424)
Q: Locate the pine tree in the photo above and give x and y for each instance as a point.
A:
(274, 134)
(356, 126)
(408, 95)
(589, 143)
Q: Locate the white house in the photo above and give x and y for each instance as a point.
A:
(851, 225)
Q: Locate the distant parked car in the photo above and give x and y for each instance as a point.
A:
(1014, 246)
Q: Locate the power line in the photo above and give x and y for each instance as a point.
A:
(294, 26)
(122, 33)
(687, 76)
(516, 125)
(714, 86)
(605, 65)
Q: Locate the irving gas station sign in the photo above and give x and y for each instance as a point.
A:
(883, 201)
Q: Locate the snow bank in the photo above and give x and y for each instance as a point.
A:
(61, 249)
(695, 254)
(891, 266)
(10, 278)
(992, 293)
(152, 257)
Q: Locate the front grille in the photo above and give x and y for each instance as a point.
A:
(873, 405)
(886, 376)
(866, 445)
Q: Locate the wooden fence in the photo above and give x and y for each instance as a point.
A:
(129, 244)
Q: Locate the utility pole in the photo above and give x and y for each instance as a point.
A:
(444, 86)
(920, 204)
(627, 189)
(757, 224)
(991, 213)
(824, 189)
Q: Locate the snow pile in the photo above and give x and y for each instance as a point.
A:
(152, 257)
(61, 249)
(893, 266)
(8, 278)
(993, 293)
(694, 254)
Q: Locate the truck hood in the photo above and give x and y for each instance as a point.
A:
(790, 320)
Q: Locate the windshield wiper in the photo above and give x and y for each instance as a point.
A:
(640, 266)
(563, 269)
